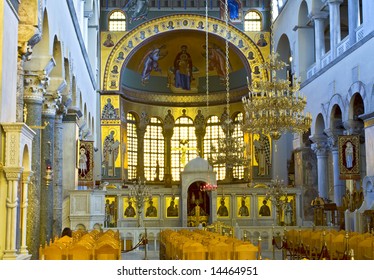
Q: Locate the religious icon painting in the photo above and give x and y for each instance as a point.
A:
(151, 208)
(264, 207)
(85, 163)
(349, 157)
(110, 211)
(172, 206)
(243, 206)
(129, 208)
(109, 107)
(111, 160)
(223, 206)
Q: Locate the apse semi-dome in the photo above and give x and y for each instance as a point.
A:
(198, 165)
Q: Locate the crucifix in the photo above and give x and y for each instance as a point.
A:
(183, 148)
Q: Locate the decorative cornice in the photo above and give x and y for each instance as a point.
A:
(181, 100)
(20, 128)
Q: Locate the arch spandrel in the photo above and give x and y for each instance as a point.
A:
(136, 38)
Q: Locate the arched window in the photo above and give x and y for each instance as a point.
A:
(182, 150)
(213, 134)
(117, 21)
(238, 171)
(132, 147)
(252, 21)
(154, 151)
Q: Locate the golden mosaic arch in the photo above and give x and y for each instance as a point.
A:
(134, 39)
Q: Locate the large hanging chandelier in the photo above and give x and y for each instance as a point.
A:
(229, 150)
(276, 106)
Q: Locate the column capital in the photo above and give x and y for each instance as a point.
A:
(353, 126)
(50, 103)
(320, 15)
(13, 173)
(36, 83)
(332, 140)
(26, 176)
(320, 144)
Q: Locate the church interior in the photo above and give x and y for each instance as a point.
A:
(186, 129)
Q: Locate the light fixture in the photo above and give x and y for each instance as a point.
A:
(229, 151)
(139, 193)
(276, 106)
(277, 194)
(208, 187)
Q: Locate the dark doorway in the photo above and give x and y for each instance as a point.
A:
(197, 197)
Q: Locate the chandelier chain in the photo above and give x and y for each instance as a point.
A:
(207, 56)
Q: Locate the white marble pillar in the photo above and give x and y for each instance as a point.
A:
(13, 175)
(339, 185)
(368, 11)
(320, 146)
(353, 20)
(369, 143)
(335, 32)
(24, 205)
(319, 36)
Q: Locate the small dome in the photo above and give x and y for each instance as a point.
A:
(198, 165)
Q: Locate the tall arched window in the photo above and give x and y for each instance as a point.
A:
(154, 151)
(132, 147)
(213, 134)
(252, 21)
(182, 150)
(117, 21)
(238, 171)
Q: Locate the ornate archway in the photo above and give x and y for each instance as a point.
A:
(132, 41)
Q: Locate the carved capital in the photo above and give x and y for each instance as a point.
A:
(51, 101)
(320, 144)
(353, 126)
(320, 148)
(35, 84)
(26, 176)
(13, 173)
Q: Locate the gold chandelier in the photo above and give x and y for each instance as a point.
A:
(229, 151)
(275, 107)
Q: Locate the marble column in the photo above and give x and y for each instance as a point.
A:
(20, 88)
(58, 173)
(319, 36)
(353, 20)
(24, 207)
(35, 85)
(369, 142)
(339, 185)
(167, 131)
(335, 32)
(46, 198)
(13, 175)
(368, 10)
(140, 131)
(320, 147)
